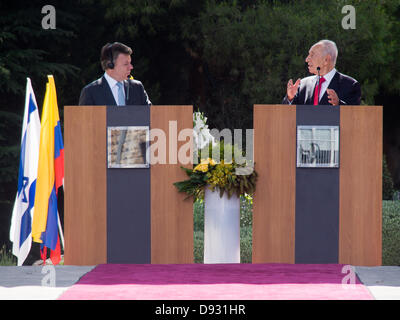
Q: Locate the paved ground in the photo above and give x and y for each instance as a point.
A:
(49, 282)
(38, 282)
(383, 282)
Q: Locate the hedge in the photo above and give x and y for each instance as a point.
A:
(390, 232)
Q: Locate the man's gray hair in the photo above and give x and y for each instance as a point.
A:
(330, 48)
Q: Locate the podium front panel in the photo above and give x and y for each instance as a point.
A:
(171, 213)
(85, 184)
(123, 215)
(361, 186)
(318, 215)
(128, 198)
(317, 198)
(275, 196)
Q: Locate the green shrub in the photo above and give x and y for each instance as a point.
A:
(198, 246)
(387, 181)
(246, 243)
(391, 233)
(6, 257)
(246, 211)
(6, 208)
(198, 215)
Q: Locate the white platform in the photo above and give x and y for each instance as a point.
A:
(221, 228)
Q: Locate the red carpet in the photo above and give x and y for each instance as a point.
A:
(217, 282)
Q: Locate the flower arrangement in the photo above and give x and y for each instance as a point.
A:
(201, 133)
(219, 173)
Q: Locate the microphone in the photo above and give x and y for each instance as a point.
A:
(319, 89)
(127, 90)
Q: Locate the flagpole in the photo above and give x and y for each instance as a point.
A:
(59, 225)
(21, 228)
(60, 230)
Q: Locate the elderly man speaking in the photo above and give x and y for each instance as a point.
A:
(328, 86)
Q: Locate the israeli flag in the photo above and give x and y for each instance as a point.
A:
(21, 221)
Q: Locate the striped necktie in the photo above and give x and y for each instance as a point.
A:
(121, 96)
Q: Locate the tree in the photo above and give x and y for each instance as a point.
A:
(249, 53)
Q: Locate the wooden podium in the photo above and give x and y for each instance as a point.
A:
(124, 215)
(318, 215)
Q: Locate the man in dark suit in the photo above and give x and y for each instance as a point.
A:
(115, 87)
(332, 88)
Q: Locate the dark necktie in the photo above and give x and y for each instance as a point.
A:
(318, 90)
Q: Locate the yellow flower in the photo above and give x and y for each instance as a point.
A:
(203, 167)
(208, 161)
(211, 161)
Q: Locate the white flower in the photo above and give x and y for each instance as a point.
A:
(201, 133)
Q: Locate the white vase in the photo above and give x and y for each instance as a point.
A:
(221, 228)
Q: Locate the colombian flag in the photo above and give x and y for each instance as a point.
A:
(50, 177)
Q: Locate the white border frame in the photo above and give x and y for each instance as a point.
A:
(124, 166)
(333, 141)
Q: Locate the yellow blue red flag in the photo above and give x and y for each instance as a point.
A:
(50, 176)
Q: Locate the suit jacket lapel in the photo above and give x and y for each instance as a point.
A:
(106, 90)
(334, 85)
(127, 93)
(310, 91)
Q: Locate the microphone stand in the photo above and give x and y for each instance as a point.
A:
(127, 89)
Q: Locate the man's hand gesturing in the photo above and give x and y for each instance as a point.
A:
(292, 89)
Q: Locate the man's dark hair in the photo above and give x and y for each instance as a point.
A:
(110, 52)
